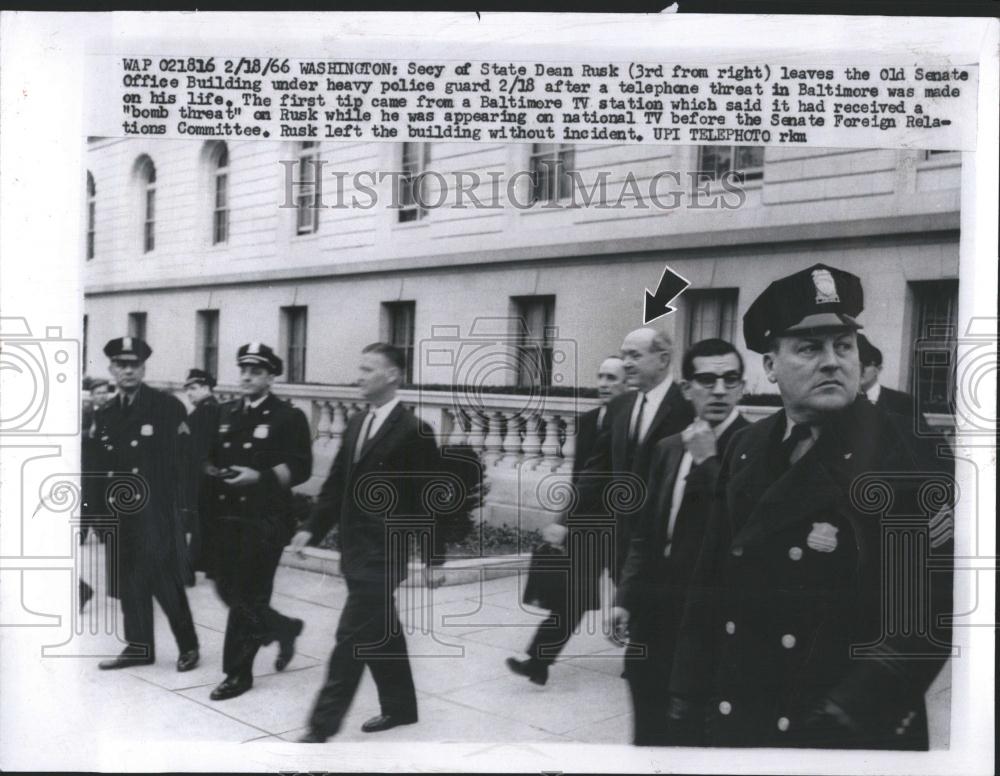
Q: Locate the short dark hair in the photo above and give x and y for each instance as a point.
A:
(868, 354)
(392, 354)
(707, 347)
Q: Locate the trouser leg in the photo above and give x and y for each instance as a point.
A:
(137, 613)
(173, 599)
(390, 663)
(343, 671)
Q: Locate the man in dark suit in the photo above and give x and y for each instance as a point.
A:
(816, 612)
(582, 592)
(637, 420)
(203, 422)
(888, 399)
(260, 450)
(375, 493)
(663, 550)
(143, 442)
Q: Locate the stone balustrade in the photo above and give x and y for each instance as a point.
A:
(527, 443)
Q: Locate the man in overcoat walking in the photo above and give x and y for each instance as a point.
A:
(665, 547)
(815, 613)
(582, 588)
(143, 446)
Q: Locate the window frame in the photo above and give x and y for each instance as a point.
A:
(220, 186)
(529, 346)
(551, 187)
(413, 180)
(207, 323)
(293, 319)
(754, 174)
(91, 216)
(308, 193)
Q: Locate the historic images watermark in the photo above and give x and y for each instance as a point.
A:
(306, 184)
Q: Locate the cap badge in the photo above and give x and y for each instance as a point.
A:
(126, 343)
(826, 287)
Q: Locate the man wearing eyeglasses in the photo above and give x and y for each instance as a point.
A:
(663, 550)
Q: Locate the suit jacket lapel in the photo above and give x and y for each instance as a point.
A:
(665, 502)
(818, 480)
(669, 399)
(384, 429)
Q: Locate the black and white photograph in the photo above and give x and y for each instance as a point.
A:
(356, 420)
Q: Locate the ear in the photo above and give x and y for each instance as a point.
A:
(768, 362)
(685, 389)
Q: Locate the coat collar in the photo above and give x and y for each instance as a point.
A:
(821, 479)
(387, 425)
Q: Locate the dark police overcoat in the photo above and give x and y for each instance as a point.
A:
(826, 582)
(261, 438)
(143, 453)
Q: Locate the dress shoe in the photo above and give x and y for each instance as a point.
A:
(86, 593)
(286, 650)
(230, 687)
(387, 721)
(312, 737)
(187, 660)
(126, 660)
(535, 671)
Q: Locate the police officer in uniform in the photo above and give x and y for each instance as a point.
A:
(261, 449)
(792, 632)
(203, 421)
(143, 446)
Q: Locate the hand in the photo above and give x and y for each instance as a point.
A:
(299, 541)
(685, 722)
(554, 534)
(699, 440)
(619, 625)
(244, 478)
(826, 725)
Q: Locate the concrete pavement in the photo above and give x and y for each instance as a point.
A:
(458, 637)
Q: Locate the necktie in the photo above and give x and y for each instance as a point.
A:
(800, 432)
(363, 436)
(634, 433)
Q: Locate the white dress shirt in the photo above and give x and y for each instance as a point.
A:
(687, 460)
(654, 398)
(873, 392)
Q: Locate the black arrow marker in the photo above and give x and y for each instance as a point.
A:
(658, 304)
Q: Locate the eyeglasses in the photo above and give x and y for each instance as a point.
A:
(709, 379)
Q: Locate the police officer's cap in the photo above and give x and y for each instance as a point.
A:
(258, 354)
(199, 376)
(817, 298)
(128, 349)
(868, 353)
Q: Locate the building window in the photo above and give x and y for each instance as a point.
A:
(551, 168)
(91, 212)
(412, 193)
(147, 176)
(293, 336)
(534, 322)
(711, 313)
(207, 333)
(932, 154)
(932, 374)
(747, 162)
(398, 320)
(220, 192)
(307, 197)
(137, 325)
